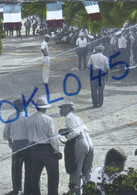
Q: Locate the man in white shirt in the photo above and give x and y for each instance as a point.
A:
(15, 132)
(83, 148)
(98, 62)
(45, 148)
(122, 47)
(81, 42)
(46, 59)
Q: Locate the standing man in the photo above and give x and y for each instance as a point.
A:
(122, 47)
(46, 59)
(15, 132)
(27, 25)
(45, 148)
(98, 64)
(34, 25)
(83, 147)
(81, 42)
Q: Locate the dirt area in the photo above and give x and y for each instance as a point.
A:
(113, 125)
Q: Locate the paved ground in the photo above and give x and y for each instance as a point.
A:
(113, 125)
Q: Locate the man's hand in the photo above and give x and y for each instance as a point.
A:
(59, 155)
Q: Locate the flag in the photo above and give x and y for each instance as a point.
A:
(12, 16)
(92, 9)
(54, 15)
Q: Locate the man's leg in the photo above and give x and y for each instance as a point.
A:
(28, 167)
(87, 165)
(52, 166)
(101, 93)
(94, 93)
(80, 58)
(84, 61)
(37, 167)
(17, 172)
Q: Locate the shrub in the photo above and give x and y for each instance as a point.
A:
(124, 184)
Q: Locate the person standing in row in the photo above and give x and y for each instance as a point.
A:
(99, 65)
(44, 149)
(83, 147)
(81, 42)
(15, 132)
(27, 25)
(46, 59)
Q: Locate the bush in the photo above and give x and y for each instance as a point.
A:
(124, 184)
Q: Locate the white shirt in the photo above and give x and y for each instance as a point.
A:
(40, 128)
(15, 130)
(99, 61)
(77, 127)
(81, 43)
(122, 42)
(44, 46)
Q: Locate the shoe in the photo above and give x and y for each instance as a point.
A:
(95, 106)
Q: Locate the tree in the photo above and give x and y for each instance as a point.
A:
(35, 8)
(114, 14)
(75, 14)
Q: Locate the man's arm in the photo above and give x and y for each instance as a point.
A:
(53, 137)
(6, 134)
(89, 61)
(75, 131)
(44, 49)
(106, 68)
(44, 52)
(77, 42)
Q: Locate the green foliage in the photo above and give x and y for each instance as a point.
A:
(114, 14)
(75, 14)
(124, 184)
(35, 8)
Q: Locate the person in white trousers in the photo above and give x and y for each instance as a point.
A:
(83, 148)
(46, 59)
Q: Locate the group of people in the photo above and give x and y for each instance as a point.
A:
(99, 62)
(28, 23)
(33, 140)
(99, 67)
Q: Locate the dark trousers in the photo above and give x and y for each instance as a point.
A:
(97, 92)
(82, 53)
(27, 31)
(43, 156)
(82, 57)
(17, 162)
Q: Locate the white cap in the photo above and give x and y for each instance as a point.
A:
(47, 36)
(81, 34)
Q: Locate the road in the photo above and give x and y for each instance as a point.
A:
(113, 125)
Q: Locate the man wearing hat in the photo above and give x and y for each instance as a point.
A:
(15, 132)
(81, 42)
(45, 148)
(83, 148)
(46, 59)
(122, 47)
(98, 62)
